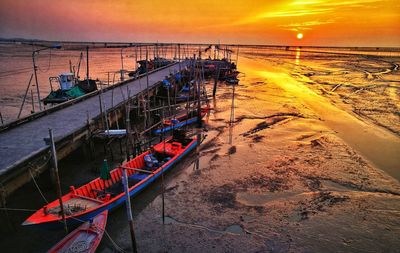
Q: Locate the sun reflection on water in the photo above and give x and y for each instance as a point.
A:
(298, 51)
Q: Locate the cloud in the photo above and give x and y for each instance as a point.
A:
(302, 26)
(303, 8)
(295, 13)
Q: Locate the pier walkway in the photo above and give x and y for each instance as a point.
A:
(21, 143)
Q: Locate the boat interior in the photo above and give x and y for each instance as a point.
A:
(99, 190)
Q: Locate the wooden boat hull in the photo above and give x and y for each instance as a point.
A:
(41, 221)
(176, 126)
(183, 122)
(86, 238)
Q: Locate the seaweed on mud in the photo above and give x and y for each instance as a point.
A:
(257, 138)
(279, 114)
(232, 150)
(224, 196)
(260, 181)
(270, 121)
(221, 197)
(214, 157)
(316, 143)
(259, 127)
(313, 184)
(319, 203)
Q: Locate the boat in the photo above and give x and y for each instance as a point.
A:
(91, 199)
(86, 238)
(180, 121)
(232, 81)
(70, 88)
(186, 93)
(147, 66)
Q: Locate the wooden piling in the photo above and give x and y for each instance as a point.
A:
(26, 93)
(129, 209)
(57, 178)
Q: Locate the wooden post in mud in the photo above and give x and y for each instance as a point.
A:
(162, 173)
(36, 79)
(232, 118)
(33, 102)
(237, 56)
(87, 63)
(122, 65)
(101, 108)
(26, 93)
(104, 110)
(3, 205)
(57, 178)
(147, 85)
(129, 209)
(128, 129)
(199, 124)
(216, 81)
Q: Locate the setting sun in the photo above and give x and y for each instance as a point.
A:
(299, 36)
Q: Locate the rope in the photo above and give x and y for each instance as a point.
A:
(37, 186)
(48, 67)
(17, 209)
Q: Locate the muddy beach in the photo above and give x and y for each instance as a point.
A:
(310, 164)
(287, 182)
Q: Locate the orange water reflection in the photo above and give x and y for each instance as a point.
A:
(355, 132)
(298, 52)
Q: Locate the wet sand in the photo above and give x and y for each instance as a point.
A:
(289, 182)
(293, 174)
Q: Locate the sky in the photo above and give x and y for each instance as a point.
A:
(271, 22)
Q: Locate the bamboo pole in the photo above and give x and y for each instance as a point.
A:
(26, 93)
(126, 182)
(36, 79)
(57, 178)
(162, 175)
(129, 209)
(87, 63)
(33, 102)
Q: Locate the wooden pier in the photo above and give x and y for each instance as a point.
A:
(23, 149)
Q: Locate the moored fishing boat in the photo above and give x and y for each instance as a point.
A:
(70, 88)
(86, 238)
(98, 195)
(180, 120)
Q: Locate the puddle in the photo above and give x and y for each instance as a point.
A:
(235, 229)
(260, 199)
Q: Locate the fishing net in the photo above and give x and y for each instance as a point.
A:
(75, 92)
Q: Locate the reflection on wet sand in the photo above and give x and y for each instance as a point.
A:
(358, 134)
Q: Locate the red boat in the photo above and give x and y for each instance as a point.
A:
(86, 238)
(98, 195)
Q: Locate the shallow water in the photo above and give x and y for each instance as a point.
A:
(105, 64)
(376, 144)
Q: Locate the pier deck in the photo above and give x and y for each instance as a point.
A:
(21, 143)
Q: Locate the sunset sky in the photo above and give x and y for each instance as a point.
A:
(322, 22)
